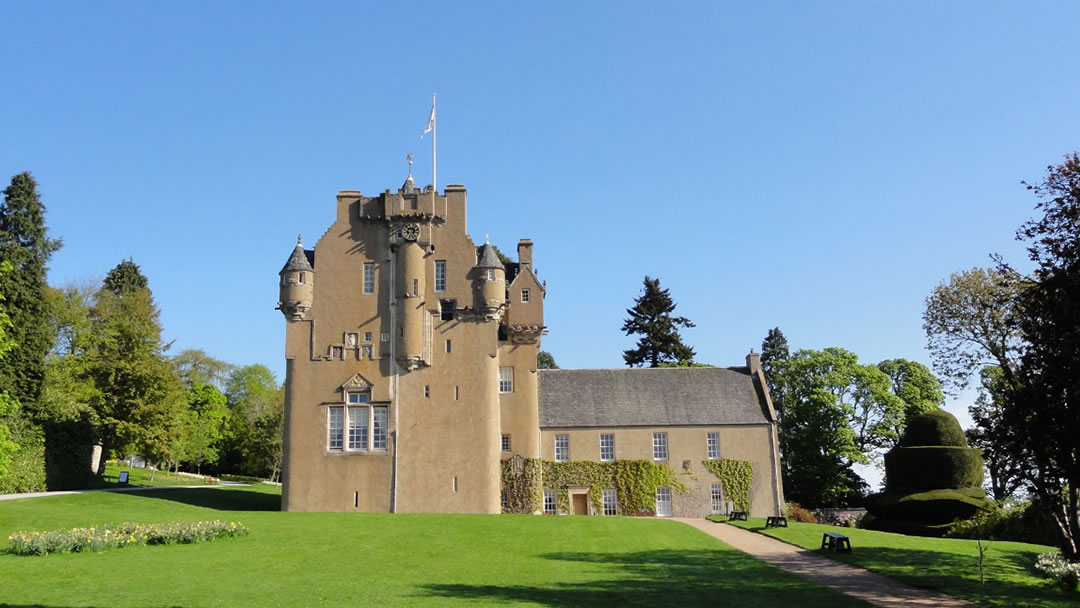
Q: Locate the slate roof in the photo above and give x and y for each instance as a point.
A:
(650, 397)
(488, 259)
(299, 260)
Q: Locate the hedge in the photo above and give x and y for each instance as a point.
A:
(936, 427)
(932, 467)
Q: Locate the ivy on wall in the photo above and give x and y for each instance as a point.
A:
(634, 482)
(735, 476)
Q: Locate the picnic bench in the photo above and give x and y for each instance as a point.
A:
(776, 521)
(737, 515)
(835, 542)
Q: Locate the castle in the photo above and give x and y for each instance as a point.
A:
(411, 374)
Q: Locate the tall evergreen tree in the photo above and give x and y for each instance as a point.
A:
(774, 352)
(25, 244)
(651, 318)
(125, 278)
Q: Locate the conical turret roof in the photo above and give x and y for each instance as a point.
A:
(409, 186)
(488, 259)
(298, 260)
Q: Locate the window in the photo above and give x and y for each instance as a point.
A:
(525, 296)
(506, 443)
(549, 502)
(336, 424)
(607, 447)
(659, 446)
(491, 274)
(609, 502)
(717, 498)
(367, 336)
(369, 278)
(446, 309)
(506, 379)
(378, 435)
(562, 448)
(713, 444)
(415, 287)
(358, 397)
(427, 391)
(447, 346)
(663, 502)
(457, 392)
(385, 337)
(455, 483)
(502, 500)
(301, 278)
(358, 428)
(440, 275)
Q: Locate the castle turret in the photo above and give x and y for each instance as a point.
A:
(410, 297)
(297, 283)
(491, 280)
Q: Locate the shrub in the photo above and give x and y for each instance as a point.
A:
(1054, 567)
(930, 468)
(795, 512)
(244, 478)
(82, 540)
(933, 507)
(936, 427)
(1026, 522)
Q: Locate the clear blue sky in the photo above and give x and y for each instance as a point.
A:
(813, 166)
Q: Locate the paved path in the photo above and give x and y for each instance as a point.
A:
(131, 489)
(856, 582)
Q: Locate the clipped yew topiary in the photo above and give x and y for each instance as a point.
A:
(931, 479)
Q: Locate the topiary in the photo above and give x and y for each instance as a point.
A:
(937, 427)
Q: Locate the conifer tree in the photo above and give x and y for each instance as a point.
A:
(651, 318)
(25, 244)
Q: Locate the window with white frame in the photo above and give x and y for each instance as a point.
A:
(549, 502)
(525, 296)
(609, 502)
(659, 446)
(505, 443)
(506, 379)
(378, 435)
(367, 336)
(607, 447)
(353, 397)
(491, 274)
(663, 502)
(336, 424)
(717, 498)
(369, 278)
(713, 445)
(562, 448)
(358, 428)
(440, 275)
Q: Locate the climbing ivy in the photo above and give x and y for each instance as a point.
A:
(735, 476)
(634, 482)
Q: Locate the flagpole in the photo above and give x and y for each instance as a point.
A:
(434, 131)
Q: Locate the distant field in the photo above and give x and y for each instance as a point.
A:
(946, 564)
(303, 559)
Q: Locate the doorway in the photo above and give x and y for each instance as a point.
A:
(579, 504)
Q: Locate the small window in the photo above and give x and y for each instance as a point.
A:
(491, 274)
(455, 483)
(525, 296)
(301, 278)
(427, 391)
(610, 503)
(713, 445)
(415, 287)
(502, 500)
(663, 502)
(339, 352)
(506, 443)
(440, 275)
(369, 278)
(549, 502)
(401, 331)
(354, 397)
(367, 336)
(336, 424)
(562, 448)
(659, 446)
(446, 309)
(506, 379)
(385, 337)
(448, 346)
(607, 447)
(457, 393)
(717, 498)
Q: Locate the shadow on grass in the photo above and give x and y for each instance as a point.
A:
(659, 578)
(216, 498)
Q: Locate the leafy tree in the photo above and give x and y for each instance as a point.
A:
(651, 318)
(26, 246)
(255, 401)
(916, 386)
(544, 360)
(204, 425)
(1043, 405)
(195, 367)
(8, 405)
(994, 437)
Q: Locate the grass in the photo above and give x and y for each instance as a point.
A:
(379, 559)
(139, 477)
(946, 564)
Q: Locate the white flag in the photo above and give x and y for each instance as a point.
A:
(430, 122)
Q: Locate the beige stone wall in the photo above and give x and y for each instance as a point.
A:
(445, 419)
(687, 448)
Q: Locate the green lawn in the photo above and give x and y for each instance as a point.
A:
(946, 564)
(293, 559)
(142, 477)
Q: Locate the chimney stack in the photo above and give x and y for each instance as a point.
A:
(525, 253)
(753, 361)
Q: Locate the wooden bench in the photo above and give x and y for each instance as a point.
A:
(736, 515)
(778, 521)
(835, 542)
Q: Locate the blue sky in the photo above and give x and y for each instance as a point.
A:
(817, 167)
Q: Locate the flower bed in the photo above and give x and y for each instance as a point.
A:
(81, 540)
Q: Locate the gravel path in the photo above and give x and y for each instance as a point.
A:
(856, 582)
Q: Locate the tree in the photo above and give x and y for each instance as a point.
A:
(991, 435)
(774, 352)
(651, 319)
(195, 367)
(204, 425)
(8, 405)
(544, 360)
(1043, 405)
(256, 420)
(916, 386)
(125, 278)
(26, 246)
